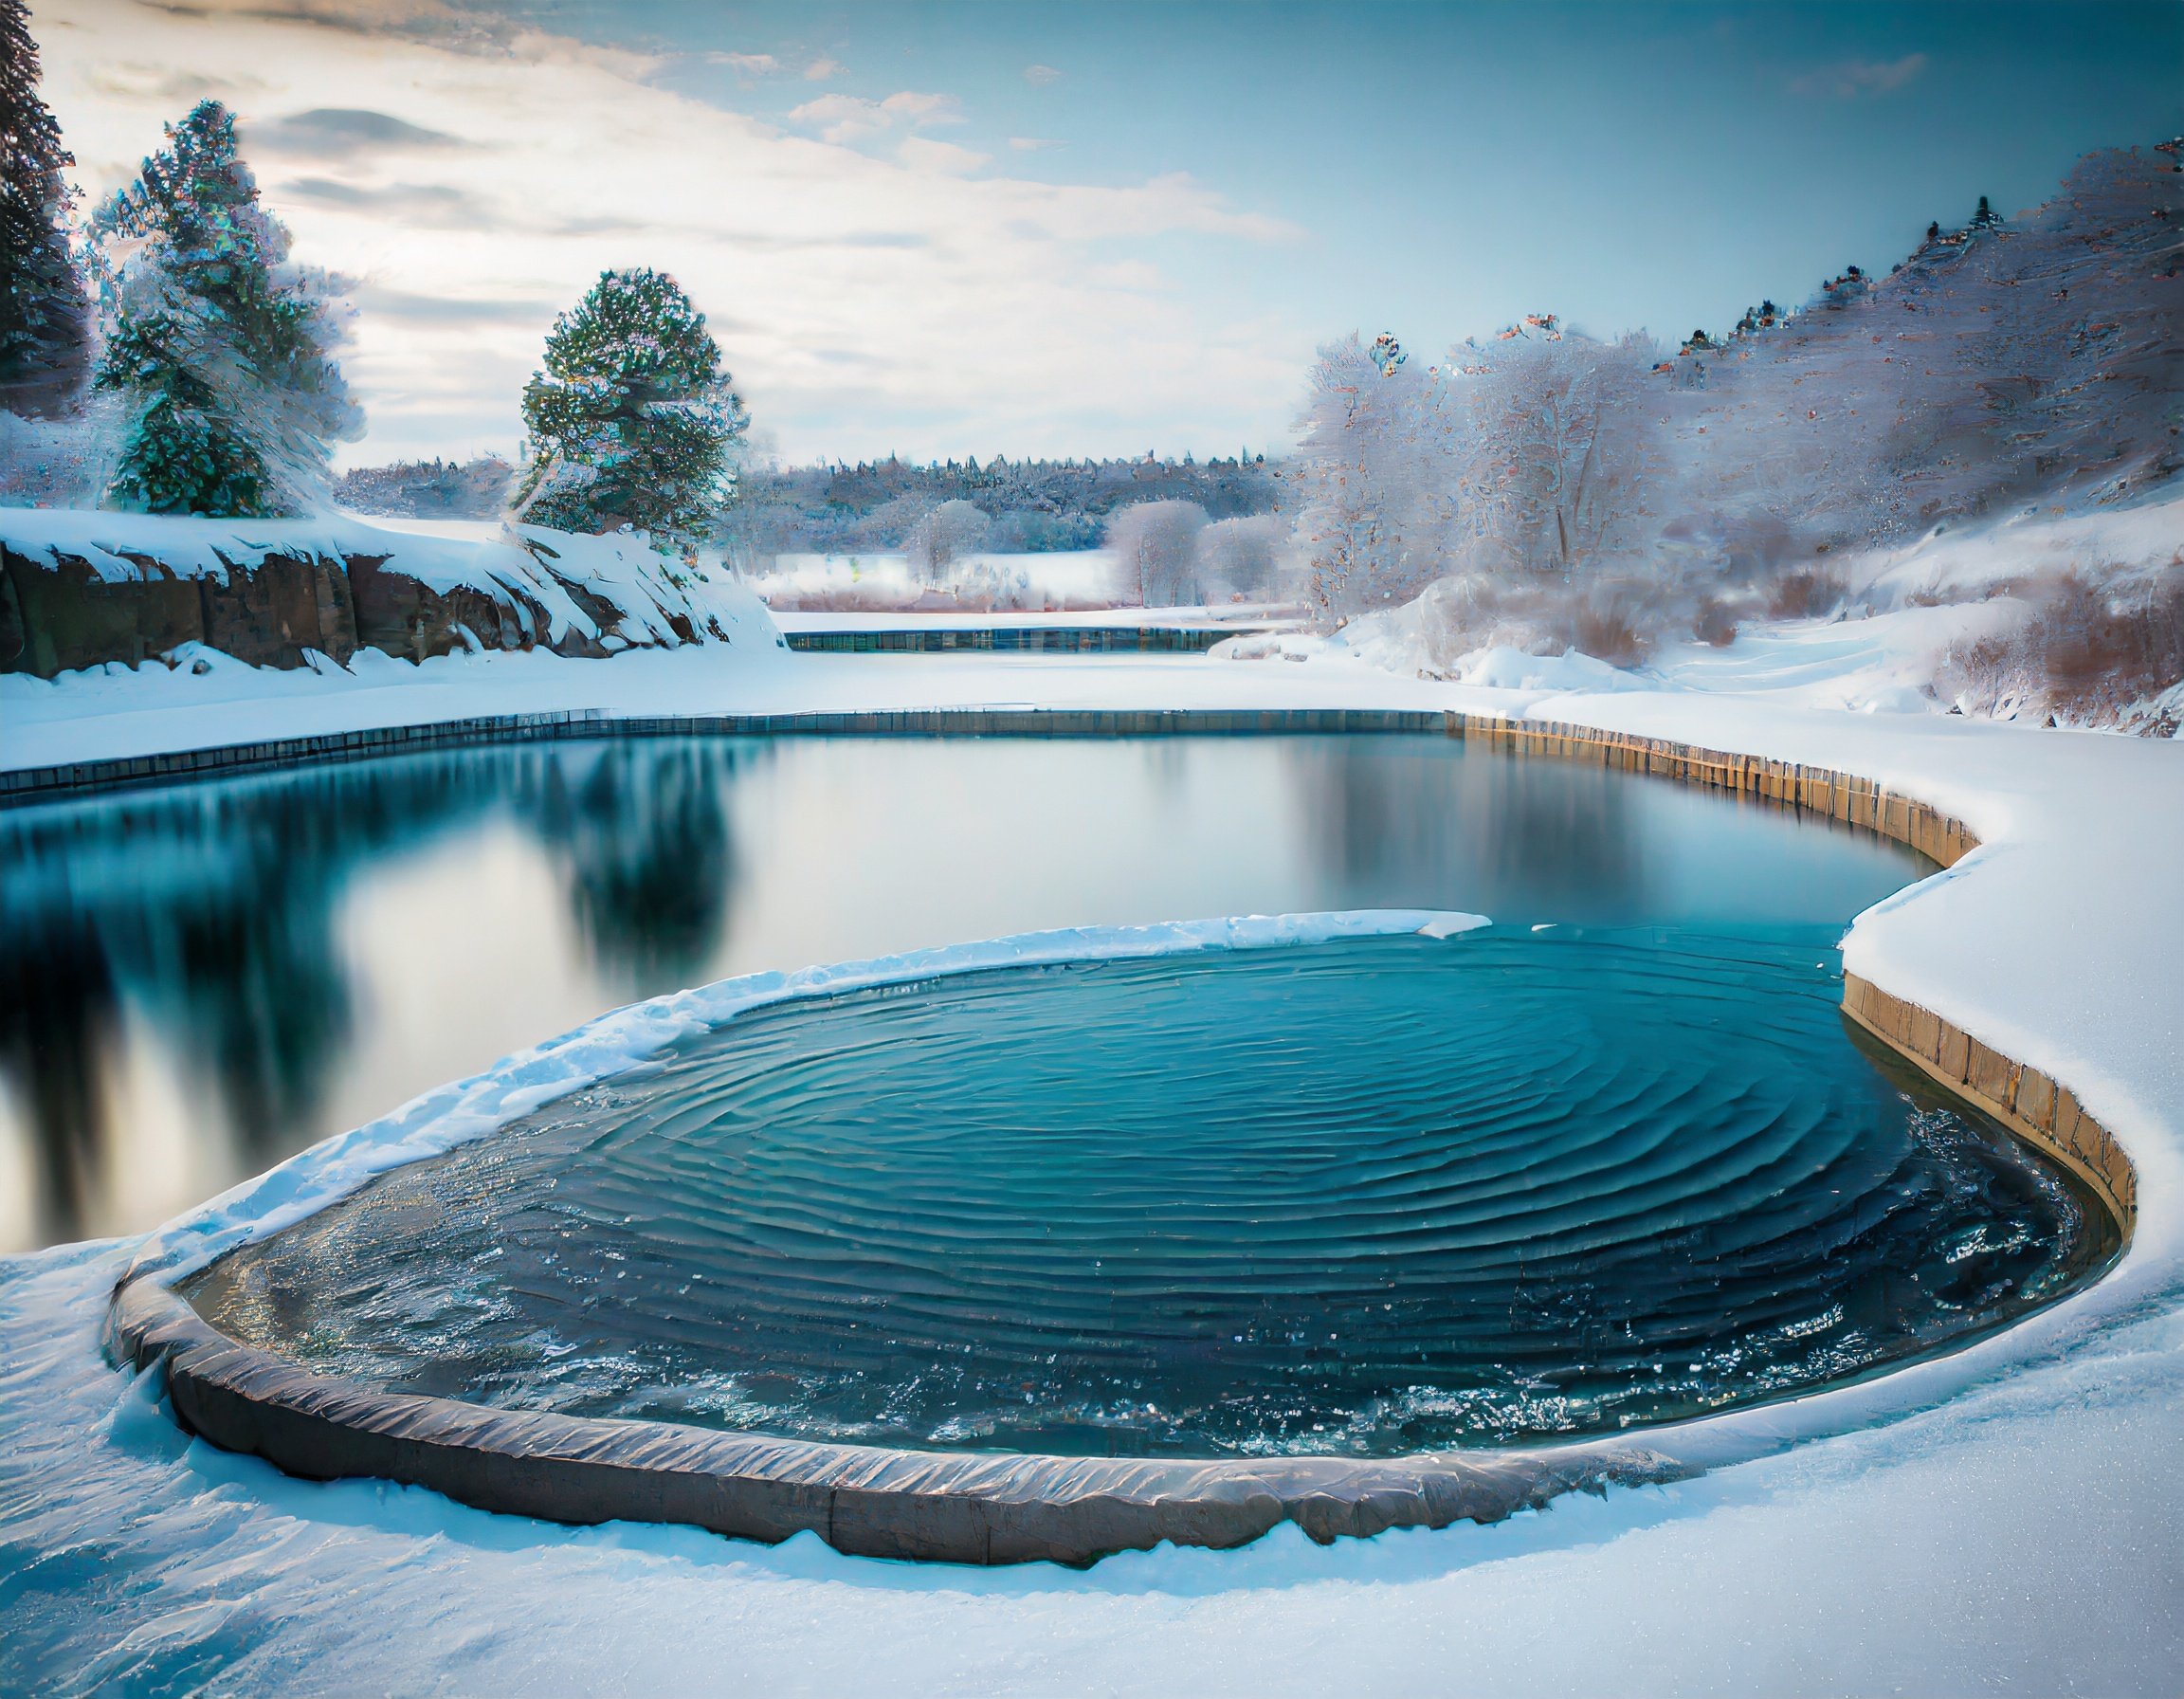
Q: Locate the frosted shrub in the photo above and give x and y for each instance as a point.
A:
(2080, 651)
(1241, 557)
(1807, 592)
(943, 536)
(1156, 547)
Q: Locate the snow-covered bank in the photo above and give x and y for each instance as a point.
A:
(2078, 615)
(2020, 1533)
(81, 588)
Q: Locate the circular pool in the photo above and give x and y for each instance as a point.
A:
(1362, 1198)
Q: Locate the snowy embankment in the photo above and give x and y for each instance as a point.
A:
(2006, 1519)
(83, 588)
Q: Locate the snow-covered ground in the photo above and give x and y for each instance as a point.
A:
(2078, 613)
(2009, 1520)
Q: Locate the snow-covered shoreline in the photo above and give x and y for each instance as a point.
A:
(1893, 1554)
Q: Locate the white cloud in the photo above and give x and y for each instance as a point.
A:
(750, 64)
(858, 296)
(1033, 144)
(1041, 74)
(921, 153)
(1860, 79)
(820, 69)
(843, 119)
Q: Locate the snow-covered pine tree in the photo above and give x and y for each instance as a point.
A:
(632, 422)
(44, 340)
(222, 347)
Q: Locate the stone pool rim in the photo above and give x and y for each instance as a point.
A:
(978, 1508)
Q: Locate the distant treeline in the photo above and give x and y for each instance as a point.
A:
(1034, 505)
(430, 489)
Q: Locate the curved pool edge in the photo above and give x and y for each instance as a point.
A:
(1002, 1508)
(865, 1501)
(2032, 1105)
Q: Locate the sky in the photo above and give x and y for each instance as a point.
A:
(942, 230)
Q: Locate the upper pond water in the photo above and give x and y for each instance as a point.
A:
(197, 981)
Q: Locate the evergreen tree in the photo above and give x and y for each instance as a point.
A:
(632, 422)
(43, 344)
(223, 347)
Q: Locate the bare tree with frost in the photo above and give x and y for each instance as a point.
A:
(1556, 439)
(1373, 482)
(1241, 556)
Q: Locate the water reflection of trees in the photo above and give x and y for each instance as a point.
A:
(209, 910)
(643, 839)
(1405, 820)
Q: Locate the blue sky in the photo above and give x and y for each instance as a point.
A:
(1452, 165)
(1054, 228)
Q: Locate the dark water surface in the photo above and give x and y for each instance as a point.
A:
(196, 981)
(1362, 1198)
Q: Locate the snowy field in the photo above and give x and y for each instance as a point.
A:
(1063, 580)
(2007, 1519)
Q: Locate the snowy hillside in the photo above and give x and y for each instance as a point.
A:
(2077, 618)
(2036, 359)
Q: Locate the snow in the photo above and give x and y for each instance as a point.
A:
(2119, 542)
(2005, 1519)
(1084, 578)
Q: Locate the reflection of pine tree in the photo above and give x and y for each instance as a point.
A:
(632, 421)
(43, 343)
(645, 839)
(224, 348)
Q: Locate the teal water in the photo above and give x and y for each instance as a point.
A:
(1362, 1198)
(199, 979)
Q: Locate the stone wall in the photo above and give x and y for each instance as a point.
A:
(58, 618)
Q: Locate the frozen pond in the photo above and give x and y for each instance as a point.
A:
(204, 980)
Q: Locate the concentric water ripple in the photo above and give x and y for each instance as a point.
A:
(1365, 1198)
